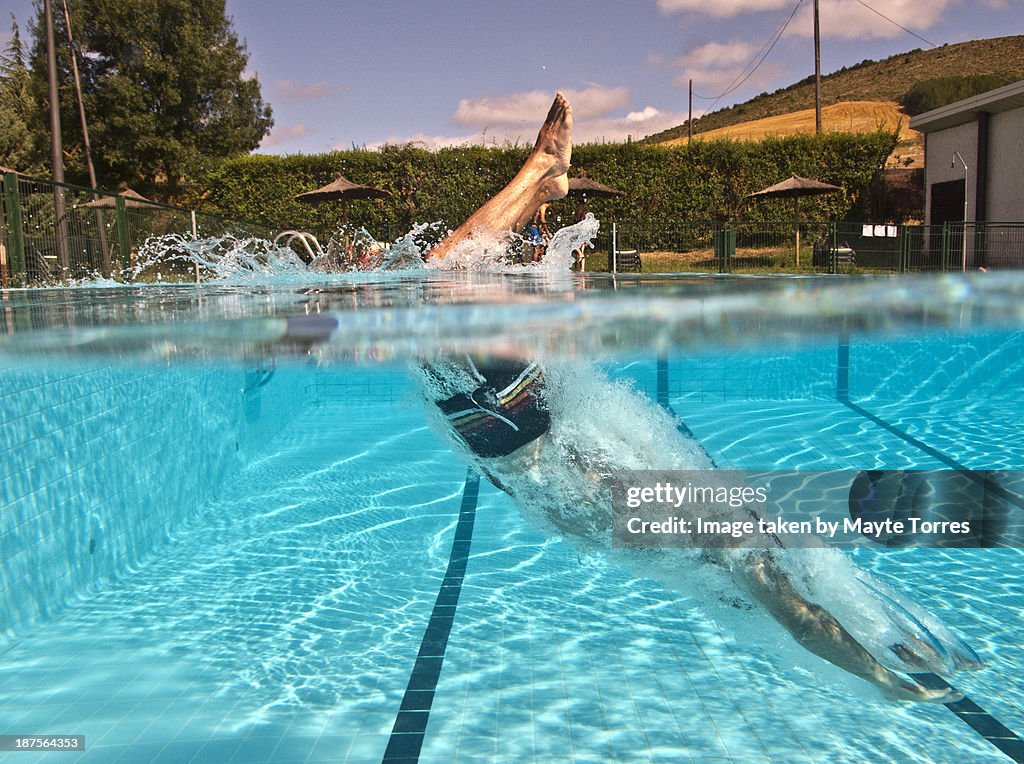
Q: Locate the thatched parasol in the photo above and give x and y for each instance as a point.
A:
(794, 188)
(131, 199)
(341, 189)
(585, 187)
(344, 189)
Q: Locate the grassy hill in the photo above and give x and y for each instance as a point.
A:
(844, 117)
(886, 80)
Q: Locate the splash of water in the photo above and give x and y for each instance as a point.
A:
(233, 259)
(213, 258)
(504, 252)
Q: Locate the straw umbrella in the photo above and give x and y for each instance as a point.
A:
(583, 189)
(586, 187)
(342, 189)
(795, 188)
(131, 199)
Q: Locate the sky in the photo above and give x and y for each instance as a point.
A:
(362, 73)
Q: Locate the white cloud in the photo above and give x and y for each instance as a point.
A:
(524, 109)
(635, 124)
(607, 128)
(297, 92)
(431, 142)
(714, 67)
(287, 134)
(722, 9)
(848, 19)
(717, 55)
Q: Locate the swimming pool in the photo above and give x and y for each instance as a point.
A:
(231, 532)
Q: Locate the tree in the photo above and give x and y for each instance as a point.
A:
(16, 108)
(164, 85)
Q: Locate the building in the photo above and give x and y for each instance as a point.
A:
(974, 158)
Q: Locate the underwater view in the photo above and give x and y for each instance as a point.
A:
(346, 415)
(269, 518)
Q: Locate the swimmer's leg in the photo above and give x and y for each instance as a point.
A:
(818, 630)
(542, 178)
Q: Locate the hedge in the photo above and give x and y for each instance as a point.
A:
(707, 181)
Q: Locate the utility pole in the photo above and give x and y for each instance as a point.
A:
(689, 118)
(86, 146)
(101, 227)
(817, 72)
(56, 149)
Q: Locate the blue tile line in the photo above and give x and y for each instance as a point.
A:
(977, 718)
(411, 723)
(662, 395)
(973, 715)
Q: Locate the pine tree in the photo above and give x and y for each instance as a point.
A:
(164, 86)
(16, 108)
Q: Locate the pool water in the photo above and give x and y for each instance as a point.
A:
(233, 533)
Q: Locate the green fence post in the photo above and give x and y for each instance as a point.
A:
(981, 244)
(122, 231)
(718, 242)
(15, 230)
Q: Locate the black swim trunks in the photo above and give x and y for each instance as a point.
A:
(504, 413)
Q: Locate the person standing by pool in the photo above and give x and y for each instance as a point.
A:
(538, 234)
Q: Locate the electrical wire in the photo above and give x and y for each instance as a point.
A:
(770, 45)
(1002, 77)
(774, 39)
(908, 31)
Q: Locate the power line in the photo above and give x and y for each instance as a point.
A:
(1002, 77)
(770, 45)
(879, 13)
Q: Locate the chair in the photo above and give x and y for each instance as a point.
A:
(628, 260)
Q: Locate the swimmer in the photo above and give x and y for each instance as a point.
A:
(501, 413)
(542, 178)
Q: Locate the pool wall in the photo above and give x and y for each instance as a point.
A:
(102, 464)
(950, 368)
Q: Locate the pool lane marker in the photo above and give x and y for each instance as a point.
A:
(662, 396)
(978, 719)
(411, 723)
(973, 715)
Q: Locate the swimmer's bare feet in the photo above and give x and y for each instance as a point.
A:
(553, 151)
(542, 178)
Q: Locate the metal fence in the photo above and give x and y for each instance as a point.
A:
(56, 231)
(823, 247)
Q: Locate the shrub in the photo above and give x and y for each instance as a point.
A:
(707, 181)
(942, 91)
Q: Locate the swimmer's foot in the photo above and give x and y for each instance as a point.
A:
(542, 178)
(553, 151)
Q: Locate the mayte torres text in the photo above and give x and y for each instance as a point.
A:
(675, 496)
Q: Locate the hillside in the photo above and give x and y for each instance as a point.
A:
(848, 116)
(886, 80)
